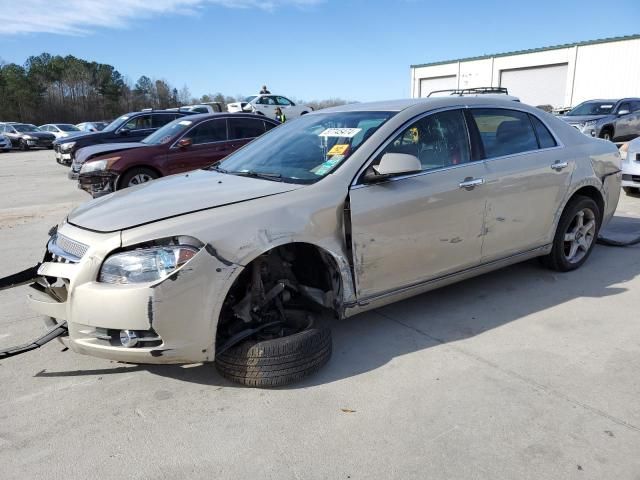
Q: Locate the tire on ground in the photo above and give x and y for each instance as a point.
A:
(556, 260)
(276, 362)
(128, 176)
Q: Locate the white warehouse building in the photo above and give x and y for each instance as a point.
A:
(561, 75)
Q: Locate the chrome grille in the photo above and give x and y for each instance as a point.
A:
(64, 249)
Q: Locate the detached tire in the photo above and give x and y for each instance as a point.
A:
(276, 362)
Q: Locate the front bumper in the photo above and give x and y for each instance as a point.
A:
(179, 312)
(589, 130)
(63, 157)
(631, 169)
(97, 184)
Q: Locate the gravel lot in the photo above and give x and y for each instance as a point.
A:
(519, 374)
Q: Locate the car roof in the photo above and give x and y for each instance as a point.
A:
(430, 103)
(202, 116)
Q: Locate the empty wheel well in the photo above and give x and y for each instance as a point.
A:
(296, 276)
(592, 193)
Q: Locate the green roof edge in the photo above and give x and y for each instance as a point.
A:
(531, 50)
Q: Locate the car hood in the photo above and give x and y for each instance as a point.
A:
(581, 118)
(85, 153)
(78, 137)
(46, 135)
(171, 196)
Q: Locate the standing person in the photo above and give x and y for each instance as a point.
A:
(280, 116)
(265, 90)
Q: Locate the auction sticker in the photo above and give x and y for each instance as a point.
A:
(340, 132)
(338, 149)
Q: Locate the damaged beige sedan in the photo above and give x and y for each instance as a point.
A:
(341, 211)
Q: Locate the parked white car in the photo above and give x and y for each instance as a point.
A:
(267, 104)
(60, 130)
(631, 166)
(92, 126)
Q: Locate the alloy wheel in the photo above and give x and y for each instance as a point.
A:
(580, 235)
(139, 178)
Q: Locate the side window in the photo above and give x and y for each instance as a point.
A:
(2, 129)
(245, 128)
(624, 106)
(545, 139)
(504, 132)
(161, 119)
(438, 140)
(140, 122)
(269, 125)
(635, 106)
(283, 102)
(266, 101)
(208, 132)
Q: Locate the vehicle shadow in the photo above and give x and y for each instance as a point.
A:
(370, 340)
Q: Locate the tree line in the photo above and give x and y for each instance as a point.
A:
(52, 88)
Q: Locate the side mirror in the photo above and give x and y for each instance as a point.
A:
(247, 108)
(392, 164)
(623, 112)
(185, 142)
(124, 131)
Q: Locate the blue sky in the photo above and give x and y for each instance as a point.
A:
(308, 49)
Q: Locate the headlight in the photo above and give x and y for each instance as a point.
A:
(589, 124)
(145, 265)
(67, 146)
(98, 165)
(28, 137)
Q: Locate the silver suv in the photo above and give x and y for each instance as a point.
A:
(615, 120)
(342, 211)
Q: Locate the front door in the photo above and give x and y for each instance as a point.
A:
(527, 177)
(422, 226)
(208, 145)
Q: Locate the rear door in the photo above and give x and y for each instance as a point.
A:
(242, 131)
(625, 124)
(417, 227)
(209, 145)
(134, 129)
(528, 174)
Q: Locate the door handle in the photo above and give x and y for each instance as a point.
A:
(559, 165)
(470, 183)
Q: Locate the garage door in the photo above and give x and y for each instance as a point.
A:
(428, 85)
(543, 85)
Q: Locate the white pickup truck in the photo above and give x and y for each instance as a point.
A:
(266, 105)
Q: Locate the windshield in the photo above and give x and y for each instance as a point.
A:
(116, 123)
(26, 127)
(166, 133)
(306, 149)
(67, 127)
(592, 108)
(248, 99)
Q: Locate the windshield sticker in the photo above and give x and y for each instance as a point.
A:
(338, 149)
(186, 123)
(327, 166)
(340, 132)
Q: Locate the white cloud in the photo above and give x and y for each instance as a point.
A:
(80, 17)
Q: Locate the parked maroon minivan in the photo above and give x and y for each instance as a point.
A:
(187, 143)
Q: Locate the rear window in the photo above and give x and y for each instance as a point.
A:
(504, 132)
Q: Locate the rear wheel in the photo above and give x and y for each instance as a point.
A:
(137, 176)
(575, 236)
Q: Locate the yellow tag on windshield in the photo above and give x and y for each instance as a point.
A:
(338, 149)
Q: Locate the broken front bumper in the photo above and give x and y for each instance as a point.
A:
(97, 184)
(174, 320)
